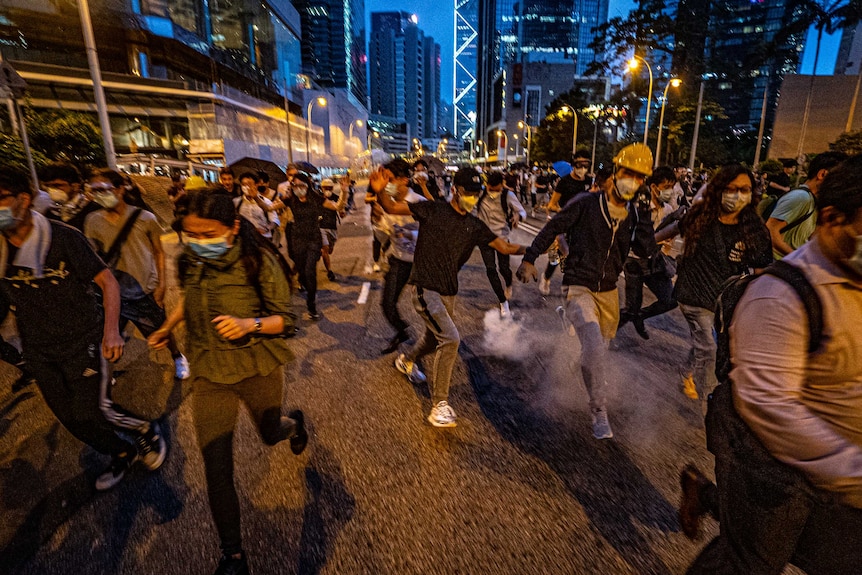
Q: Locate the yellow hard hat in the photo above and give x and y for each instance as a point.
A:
(636, 157)
(195, 183)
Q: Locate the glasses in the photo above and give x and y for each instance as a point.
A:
(735, 190)
(582, 165)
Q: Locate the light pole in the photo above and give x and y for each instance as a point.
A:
(505, 146)
(517, 149)
(322, 101)
(350, 130)
(482, 143)
(675, 82)
(526, 126)
(98, 89)
(565, 110)
(633, 64)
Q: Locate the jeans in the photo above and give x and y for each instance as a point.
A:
(441, 336)
(393, 284)
(702, 356)
(215, 408)
(770, 514)
(638, 273)
(489, 255)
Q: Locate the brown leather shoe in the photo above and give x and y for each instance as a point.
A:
(691, 507)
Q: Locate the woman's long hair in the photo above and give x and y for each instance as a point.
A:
(215, 204)
(707, 211)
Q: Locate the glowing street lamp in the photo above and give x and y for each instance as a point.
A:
(565, 110)
(358, 123)
(322, 102)
(505, 145)
(529, 135)
(633, 65)
(675, 82)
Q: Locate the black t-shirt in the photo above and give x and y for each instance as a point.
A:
(541, 184)
(76, 221)
(329, 218)
(446, 240)
(721, 253)
(306, 218)
(61, 307)
(569, 188)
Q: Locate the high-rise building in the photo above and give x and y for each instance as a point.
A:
(466, 67)
(527, 31)
(333, 44)
(404, 72)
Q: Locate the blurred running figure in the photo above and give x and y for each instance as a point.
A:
(598, 230)
(497, 208)
(48, 272)
(447, 235)
(236, 305)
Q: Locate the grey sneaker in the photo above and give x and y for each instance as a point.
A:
(601, 425)
(544, 286)
(409, 368)
(442, 415)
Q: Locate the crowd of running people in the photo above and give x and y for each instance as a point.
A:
(82, 257)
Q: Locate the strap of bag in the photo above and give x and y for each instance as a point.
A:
(113, 252)
(799, 220)
(800, 284)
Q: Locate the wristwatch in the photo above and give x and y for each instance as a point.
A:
(257, 325)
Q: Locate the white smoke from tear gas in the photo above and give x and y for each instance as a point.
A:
(505, 337)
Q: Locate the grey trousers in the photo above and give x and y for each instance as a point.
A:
(440, 336)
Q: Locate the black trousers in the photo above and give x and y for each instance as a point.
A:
(76, 385)
(215, 407)
(307, 255)
(393, 284)
(494, 260)
(770, 515)
(638, 274)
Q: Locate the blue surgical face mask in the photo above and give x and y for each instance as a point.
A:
(209, 248)
(7, 219)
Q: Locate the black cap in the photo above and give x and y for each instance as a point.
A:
(469, 179)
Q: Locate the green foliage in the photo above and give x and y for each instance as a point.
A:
(849, 142)
(62, 135)
(712, 148)
(12, 154)
(772, 167)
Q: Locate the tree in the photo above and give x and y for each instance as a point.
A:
(849, 142)
(62, 135)
(12, 154)
(712, 149)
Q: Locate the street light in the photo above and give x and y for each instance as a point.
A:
(565, 110)
(481, 143)
(505, 146)
(517, 149)
(675, 82)
(322, 101)
(522, 126)
(374, 134)
(633, 65)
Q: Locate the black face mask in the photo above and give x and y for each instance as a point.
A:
(261, 189)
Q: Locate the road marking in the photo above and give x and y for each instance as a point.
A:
(363, 293)
(530, 229)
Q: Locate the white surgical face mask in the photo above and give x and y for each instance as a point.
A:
(734, 202)
(57, 195)
(580, 172)
(467, 203)
(626, 188)
(665, 196)
(106, 199)
(300, 191)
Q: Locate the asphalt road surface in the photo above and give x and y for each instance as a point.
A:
(520, 486)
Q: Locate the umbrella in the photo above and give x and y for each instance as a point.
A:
(306, 167)
(434, 164)
(276, 174)
(563, 169)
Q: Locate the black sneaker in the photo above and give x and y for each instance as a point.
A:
(396, 341)
(330, 275)
(640, 328)
(152, 448)
(115, 473)
(229, 565)
(300, 438)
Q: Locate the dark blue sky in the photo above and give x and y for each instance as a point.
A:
(437, 19)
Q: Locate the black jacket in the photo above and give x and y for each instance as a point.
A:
(596, 250)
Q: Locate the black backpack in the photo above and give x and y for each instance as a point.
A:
(725, 430)
(504, 204)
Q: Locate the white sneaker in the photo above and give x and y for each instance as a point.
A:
(409, 368)
(375, 268)
(181, 367)
(568, 327)
(507, 291)
(544, 286)
(601, 425)
(504, 309)
(442, 415)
